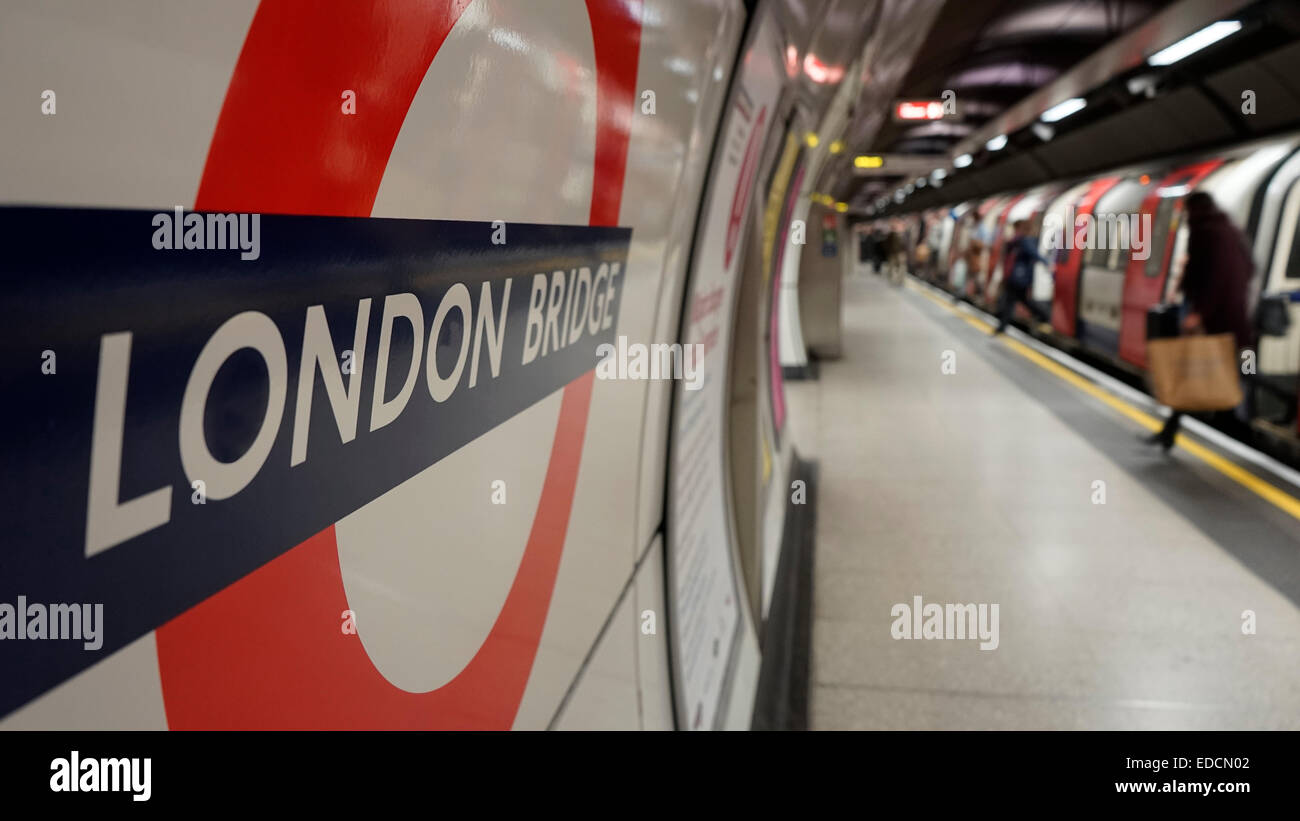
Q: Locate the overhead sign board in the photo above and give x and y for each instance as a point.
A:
(910, 111)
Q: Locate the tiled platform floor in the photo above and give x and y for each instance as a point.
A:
(978, 487)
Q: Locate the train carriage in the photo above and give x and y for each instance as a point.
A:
(1117, 242)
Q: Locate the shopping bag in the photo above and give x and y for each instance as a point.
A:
(1195, 373)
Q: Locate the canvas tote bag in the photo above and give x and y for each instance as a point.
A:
(1195, 373)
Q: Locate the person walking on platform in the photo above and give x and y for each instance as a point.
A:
(1214, 282)
(922, 255)
(1022, 254)
(874, 253)
(895, 257)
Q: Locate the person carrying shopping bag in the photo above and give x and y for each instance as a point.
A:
(1214, 282)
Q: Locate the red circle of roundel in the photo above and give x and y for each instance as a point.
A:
(259, 654)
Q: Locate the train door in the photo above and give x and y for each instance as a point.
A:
(1144, 280)
(1101, 291)
(1051, 246)
(1042, 290)
(1030, 207)
(928, 243)
(944, 230)
(912, 238)
(1278, 363)
(1017, 209)
(997, 249)
(985, 234)
(1277, 263)
(959, 258)
(1075, 203)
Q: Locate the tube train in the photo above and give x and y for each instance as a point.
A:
(351, 463)
(1098, 292)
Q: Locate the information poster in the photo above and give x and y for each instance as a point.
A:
(703, 577)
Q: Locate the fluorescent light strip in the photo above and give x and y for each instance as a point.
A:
(1062, 110)
(1193, 43)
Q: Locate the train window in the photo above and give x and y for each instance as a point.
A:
(1293, 260)
(1165, 219)
(1097, 256)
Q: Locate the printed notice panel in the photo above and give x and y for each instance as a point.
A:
(703, 579)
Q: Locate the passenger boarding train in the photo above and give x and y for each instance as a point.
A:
(366, 476)
(1099, 296)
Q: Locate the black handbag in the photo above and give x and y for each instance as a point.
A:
(1273, 317)
(1163, 321)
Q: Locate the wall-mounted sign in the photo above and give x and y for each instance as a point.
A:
(916, 110)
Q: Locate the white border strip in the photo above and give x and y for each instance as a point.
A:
(1135, 397)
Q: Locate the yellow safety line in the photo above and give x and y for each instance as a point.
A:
(1268, 492)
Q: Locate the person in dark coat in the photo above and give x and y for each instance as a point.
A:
(1214, 283)
(1021, 256)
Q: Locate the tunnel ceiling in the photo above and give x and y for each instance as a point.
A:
(991, 54)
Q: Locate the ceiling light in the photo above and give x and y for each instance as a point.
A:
(868, 161)
(962, 161)
(1064, 109)
(1193, 43)
(997, 143)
